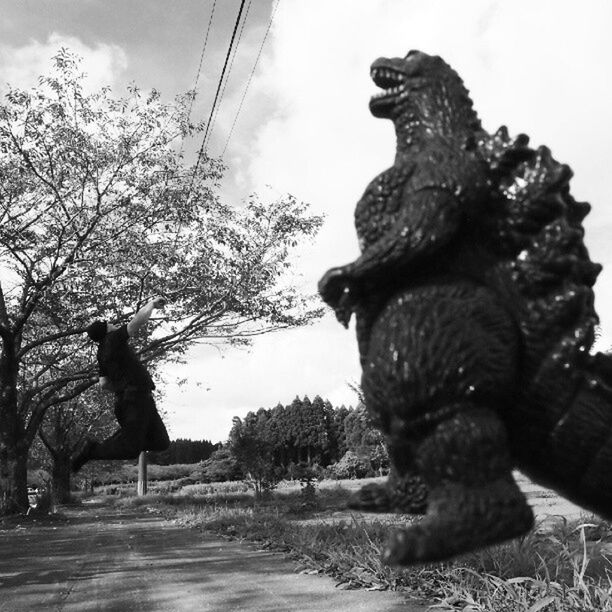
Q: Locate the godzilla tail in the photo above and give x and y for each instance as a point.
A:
(576, 457)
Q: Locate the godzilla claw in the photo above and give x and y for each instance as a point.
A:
(336, 290)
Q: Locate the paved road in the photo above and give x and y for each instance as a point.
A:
(103, 559)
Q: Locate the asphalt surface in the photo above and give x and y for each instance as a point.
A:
(104, 559)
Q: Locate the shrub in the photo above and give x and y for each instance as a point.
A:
(351, 466)
(222, 466)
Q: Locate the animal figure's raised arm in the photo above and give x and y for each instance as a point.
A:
(425, 224)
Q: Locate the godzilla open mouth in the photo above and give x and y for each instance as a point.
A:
(392, 83)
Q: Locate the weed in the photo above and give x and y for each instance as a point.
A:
(560, 566)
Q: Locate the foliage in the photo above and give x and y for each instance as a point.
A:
(365, 439)
(253, 453)
(351, 465)
(64, 428)
(98, 213)
(302, 431)
(184, 451)
(308, 482)
(219, 467)
(312, 433)
(122, 476)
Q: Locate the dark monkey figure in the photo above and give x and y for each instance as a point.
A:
(475, 319)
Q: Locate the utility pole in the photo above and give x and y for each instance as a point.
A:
(142, 473)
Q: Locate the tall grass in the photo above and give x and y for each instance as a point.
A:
(563, 567)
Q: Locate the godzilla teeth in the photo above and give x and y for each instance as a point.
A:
(385, 74)
(387, 92)
(391, 81)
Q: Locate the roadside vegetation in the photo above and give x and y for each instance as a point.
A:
(561, 566)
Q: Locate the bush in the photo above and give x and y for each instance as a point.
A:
(220, 467)
(351, 466)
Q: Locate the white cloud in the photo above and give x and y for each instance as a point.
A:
(21, 66)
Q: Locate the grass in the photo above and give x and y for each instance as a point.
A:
(560, 567)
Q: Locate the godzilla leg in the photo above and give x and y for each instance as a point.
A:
(404, 493)
(440, 374)
(473, 500)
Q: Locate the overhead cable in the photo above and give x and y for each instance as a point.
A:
(197, 79)
(250, 77)
(229, 71)
(212, 110)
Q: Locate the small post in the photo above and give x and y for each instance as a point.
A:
(142, 473)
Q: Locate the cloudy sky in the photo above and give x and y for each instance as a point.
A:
(541, 67)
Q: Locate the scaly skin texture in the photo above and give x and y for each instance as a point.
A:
(474, 317)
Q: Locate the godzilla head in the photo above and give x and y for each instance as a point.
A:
(425, 87)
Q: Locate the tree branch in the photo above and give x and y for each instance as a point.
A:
(51, 338)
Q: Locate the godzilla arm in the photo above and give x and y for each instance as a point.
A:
(425, 224)
(423, 227)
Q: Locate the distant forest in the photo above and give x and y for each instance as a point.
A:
(305, 439)
(184, 451)
(279, 442)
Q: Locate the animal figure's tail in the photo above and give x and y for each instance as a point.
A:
(572, 453)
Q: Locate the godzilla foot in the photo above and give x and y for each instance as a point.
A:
(460, 519)
(406, 495)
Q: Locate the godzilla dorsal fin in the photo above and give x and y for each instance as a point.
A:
(538, 238)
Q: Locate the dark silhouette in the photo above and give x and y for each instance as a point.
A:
(122, 373)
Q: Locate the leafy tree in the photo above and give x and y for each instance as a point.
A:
(364, 439)
(98, 212)
(340, 445)
(293, 428)
(314, 431)
(254, 454)
(219, 467)
(331, 450)
(277, 434)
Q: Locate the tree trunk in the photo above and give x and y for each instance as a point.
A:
(13, 447)
(14, 480)
(60, 473)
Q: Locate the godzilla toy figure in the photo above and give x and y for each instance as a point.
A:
(475, 320)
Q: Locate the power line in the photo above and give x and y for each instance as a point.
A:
(212, 110)
(214, 119)
(250, 77)
(197, 79)
(195, 85)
